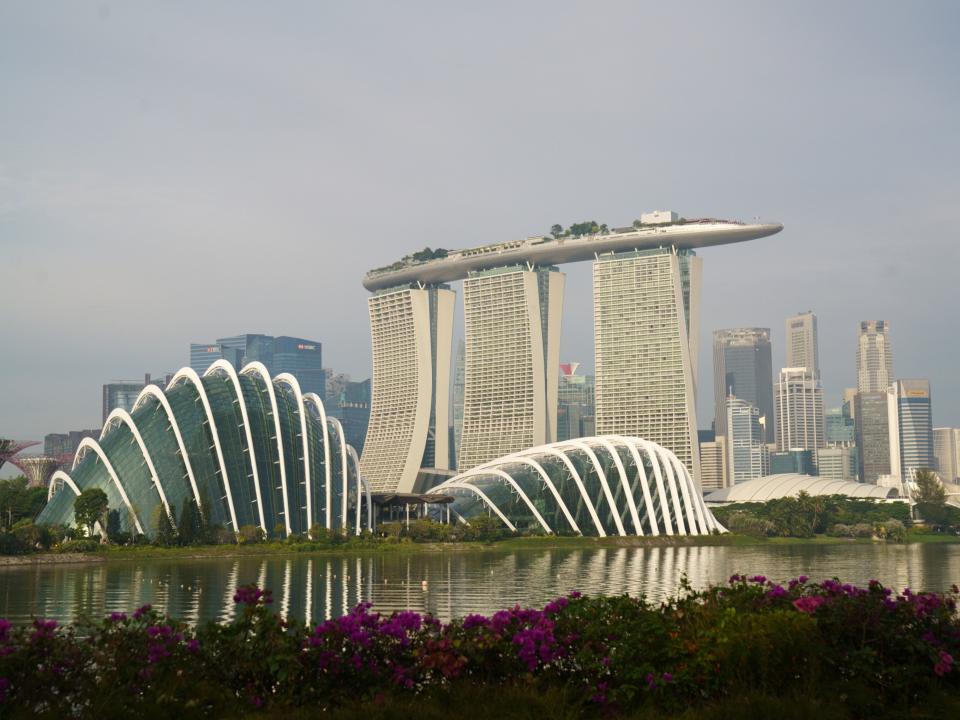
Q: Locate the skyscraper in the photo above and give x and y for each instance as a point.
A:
(575, 408)
(873, 436)
(803, 349)
(742, 366)
(841, 430)
(745, 441)
(459, 370)
(946, 453)
(120, 395)
(354, 413)
(299, 357)
(874, 359)
(512, 321)
(911, 440)
(799, 410)
(837, 463)
(645, 310)
(412, 337)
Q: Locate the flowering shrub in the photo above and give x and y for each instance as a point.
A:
(869, 647)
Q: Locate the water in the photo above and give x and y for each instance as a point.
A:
(317, 587)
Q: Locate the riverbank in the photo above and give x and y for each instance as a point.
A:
(366, 547)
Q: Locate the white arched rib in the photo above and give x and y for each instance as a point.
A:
(479, 493)
(67, 480)
(654, 458)
(91, 444)
(549, 483)
(152, 391)
(190, 375)
(551, 450)
(258, 368)
(343, 465)
(352, 454)
(690, 495)
(513, 483)
(674, 491)
(291, 382)
(318, 404)
(119, 415)
(624, 481)
(630, 443)
(224, 366)
(614, 512)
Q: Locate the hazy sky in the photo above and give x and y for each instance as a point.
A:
(175, 172)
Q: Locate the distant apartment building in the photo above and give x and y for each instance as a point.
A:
(745, 441)
(799, 410)
(299, 357)
(743, 367)
(645, 344)
(713, 464)
(874, 359)
(575, 408)
(803, 345)
(946, 453)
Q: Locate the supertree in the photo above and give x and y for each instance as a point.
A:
(9, 448)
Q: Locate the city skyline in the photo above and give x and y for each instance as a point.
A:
(69, 209)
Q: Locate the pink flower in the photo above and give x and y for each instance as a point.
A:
(809, 603)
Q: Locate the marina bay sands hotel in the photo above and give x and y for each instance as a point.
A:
(646, 295)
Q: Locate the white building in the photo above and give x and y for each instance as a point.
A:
(412, 337)
(512, 322)
(946, 451)
(745, 441)
(713, 464)
(837, 463)
(798, 400)
(645, 313)
(803, 348)
(874, 359)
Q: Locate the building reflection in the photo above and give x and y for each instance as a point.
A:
(315, 588)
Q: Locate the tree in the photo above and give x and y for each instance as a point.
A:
(930, 496)
(191, 523)
(556, 231)
(166, 533)
(89, 508)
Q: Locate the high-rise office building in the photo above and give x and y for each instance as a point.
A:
(946, 453)
(58, 444)
(299, 357)
(121, 395)
(646, 320)
(840, 428)
(794, 462)
(459, 377)
(745, 441)
(874, 360)
(512, 319)
(799, 410)
(354, 413)
(873, 436)
(837, 463)
(713, 464)
(911, 439)
(412, 338)
(803, 349)
(335, 385)
(743, 366)
(575, 409)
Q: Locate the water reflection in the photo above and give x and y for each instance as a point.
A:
(447, 584)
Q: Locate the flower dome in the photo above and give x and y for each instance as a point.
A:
(248, 449)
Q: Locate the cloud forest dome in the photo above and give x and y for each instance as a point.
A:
(607, 485)
(248, 449)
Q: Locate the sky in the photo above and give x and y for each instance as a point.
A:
(174, 172)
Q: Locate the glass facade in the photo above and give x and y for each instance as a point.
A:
(592, 486)
(244, 448)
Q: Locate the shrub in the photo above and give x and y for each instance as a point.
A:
(251, 534)
(743, 523)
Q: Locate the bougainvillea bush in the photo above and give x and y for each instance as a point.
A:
(871, 649)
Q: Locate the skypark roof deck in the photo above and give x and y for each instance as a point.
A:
(686, 234)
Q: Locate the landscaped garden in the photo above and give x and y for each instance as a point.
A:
(746, 648)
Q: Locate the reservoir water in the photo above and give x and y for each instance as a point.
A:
(448, 584)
